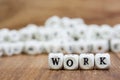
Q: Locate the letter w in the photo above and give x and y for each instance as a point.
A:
(55, 61)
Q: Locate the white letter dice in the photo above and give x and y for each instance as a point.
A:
(86, 61)
(55, 60)
(70, 62)
(102, 61)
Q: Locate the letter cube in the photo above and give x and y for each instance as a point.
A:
(86, 61)
(55, 60)
(70, 62)
(102, 61)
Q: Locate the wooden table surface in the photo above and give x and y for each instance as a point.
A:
(25, 67)
(18, 13)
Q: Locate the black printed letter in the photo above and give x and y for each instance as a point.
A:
(69, 62)
(102, 60)
(55, 61)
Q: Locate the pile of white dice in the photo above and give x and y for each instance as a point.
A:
(66, 35)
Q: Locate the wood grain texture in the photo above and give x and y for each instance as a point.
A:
(18, 13)
(24, 67)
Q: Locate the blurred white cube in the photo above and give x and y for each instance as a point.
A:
(116, 31)
(14, 36)
(53, 21)
(41, 47)
(80, 32)
(94, 32)
(80, 46)
(7, 49)
(4, 34)
(68, 47)
(106, 32)
(65, 22)
(31, 47)
(17, 47)
(115, 45)
(1, 49)
(49, 47)
(100, 46)
(76, 22)
(25, 34)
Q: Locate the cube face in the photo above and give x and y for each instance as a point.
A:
(55, 61)
(31, 47)
(56, 47)
(1, 50)
(25, 35)
(86, 61)
(100, 46)
(8, 49)
(90, 46)
(70, 62)
(115, 46)
(17, 47)
(83, 48)
(102, 61)
(41, 48)
(80, 47)
(13, 36)
(48, 47)
(68, 48)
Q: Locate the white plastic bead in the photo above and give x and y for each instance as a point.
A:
(4, 34)
(116, 31)
(49, 47)
(68, 47)
(106, 32)
(41, 47)
(76, 21)
(115, 45)
(102, 61)
(25, 34)
(8, 49)
(66, 22)
(13, 36)
(81, 46)
(17, 47)
(94, 32)
(70, 62)
(100, 46)
(1, 49)
(52, 21)
(86, 61)
(55, 60)
(31, 48)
